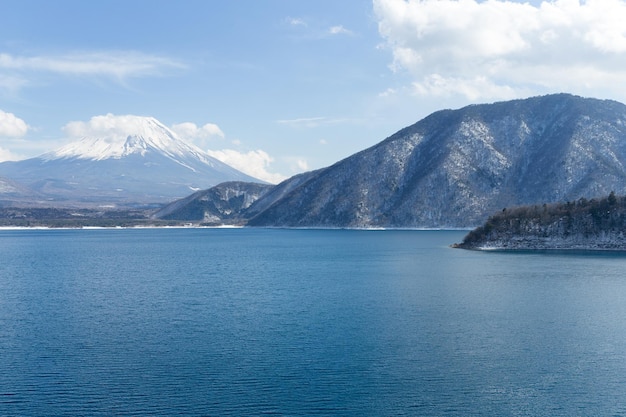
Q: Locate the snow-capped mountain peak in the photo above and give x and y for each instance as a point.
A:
(121, 159)
(137, 135)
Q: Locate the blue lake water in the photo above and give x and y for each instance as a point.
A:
(304, 322)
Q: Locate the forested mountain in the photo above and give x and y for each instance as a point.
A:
(455, 167)
(225, 203)
(582, 224)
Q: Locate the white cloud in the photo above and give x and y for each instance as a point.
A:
(389, 92)
(296, 21)
(311, 122)
(339, 30)
(200, 135)
(7, 155)
(116, 64)
(115, 127)
(303, 122)
(193, 131)
(12, 126)
(254, 163)
(502, 49)
(473, 89)
(301, 165)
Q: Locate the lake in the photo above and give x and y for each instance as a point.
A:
(221, 322)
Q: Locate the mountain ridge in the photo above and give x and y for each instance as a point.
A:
(455, 167)
(224, 203)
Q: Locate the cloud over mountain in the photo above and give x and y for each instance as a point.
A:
(109, 125)
(11, 125)
(254, 163)
(503, 49)
(192, 131)
(115, 128)
(123, 159)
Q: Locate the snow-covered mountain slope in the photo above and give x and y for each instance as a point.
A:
(456, 167)
(11, 191)
(148, 135)
(230, 202)
(145, 165)
(225, 203)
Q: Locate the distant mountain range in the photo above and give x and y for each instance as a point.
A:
(453, 168)
(456, 167)
(150, 165)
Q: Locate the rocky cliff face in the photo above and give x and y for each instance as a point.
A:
(455, 167)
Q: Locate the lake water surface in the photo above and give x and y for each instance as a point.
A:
(304, 322)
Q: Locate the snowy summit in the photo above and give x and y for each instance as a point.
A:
(143, 134)
(137, 160)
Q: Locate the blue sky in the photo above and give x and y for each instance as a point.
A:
(276, 87)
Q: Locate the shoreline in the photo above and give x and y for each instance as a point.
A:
(529, 249)
(372, 229)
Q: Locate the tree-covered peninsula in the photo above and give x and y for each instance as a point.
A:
(594, 224)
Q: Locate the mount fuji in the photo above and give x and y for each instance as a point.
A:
(146, 164)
